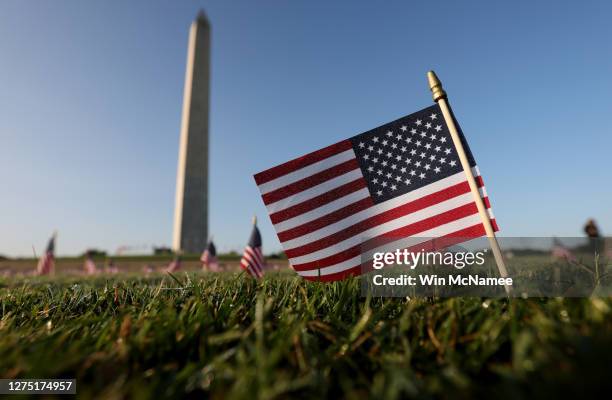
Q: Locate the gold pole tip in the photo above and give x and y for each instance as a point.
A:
(254, 219)
(435, 86)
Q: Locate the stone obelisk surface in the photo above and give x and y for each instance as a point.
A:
(191, 207)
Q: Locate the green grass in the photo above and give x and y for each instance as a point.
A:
(225, 335)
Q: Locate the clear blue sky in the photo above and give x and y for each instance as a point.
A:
(91, 93)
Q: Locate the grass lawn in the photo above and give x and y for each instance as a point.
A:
(225, 335)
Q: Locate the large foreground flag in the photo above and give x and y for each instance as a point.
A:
(403, 179)
(252, 259)
(46, 264)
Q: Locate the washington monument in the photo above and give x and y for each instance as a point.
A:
(191, 206)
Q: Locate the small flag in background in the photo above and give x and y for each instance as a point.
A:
(89, 265)
(403, 179)
(560, 252)
(111, 268)
(252, 258)
(175, 264)
(46, 264)
(209, 258)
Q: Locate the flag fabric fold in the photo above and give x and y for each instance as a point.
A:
(400, 180)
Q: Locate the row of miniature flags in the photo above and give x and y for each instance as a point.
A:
(252, 261)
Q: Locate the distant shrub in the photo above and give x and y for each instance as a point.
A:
(277, 256)
(160, 251)
(94, 253)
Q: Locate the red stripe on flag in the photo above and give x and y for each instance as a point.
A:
(302, 162)
(310, 181)
(318, 201)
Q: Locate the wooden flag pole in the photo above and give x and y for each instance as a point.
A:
(439, 96)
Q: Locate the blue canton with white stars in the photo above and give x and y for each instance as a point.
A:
(407, 154)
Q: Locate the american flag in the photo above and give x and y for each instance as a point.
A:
(175, 264)
(209, 257)
(46, 264)
(400, 180)
(111, 268)
(90, 266)
(252, 259)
